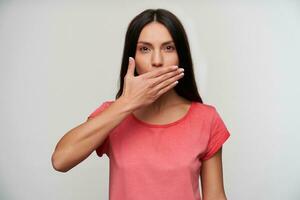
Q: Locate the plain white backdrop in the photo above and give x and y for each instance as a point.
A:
(61, 60)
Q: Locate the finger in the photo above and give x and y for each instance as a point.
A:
(167, 82)
(157, 72)
(131, 66)
(166, 88)
(164, 77)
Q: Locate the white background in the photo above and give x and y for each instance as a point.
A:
(60, 60)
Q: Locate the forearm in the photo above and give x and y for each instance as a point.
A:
(78, 143)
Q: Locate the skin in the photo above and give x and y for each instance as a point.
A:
(157, 53)
(153, 52)
(212, 178)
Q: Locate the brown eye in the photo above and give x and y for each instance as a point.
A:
(143, 49)
(170, 48)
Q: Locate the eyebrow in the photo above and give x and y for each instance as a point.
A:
(148, 43)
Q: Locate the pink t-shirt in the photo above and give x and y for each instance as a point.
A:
(161, 162)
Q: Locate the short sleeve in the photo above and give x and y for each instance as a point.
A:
(218, 135)
(102, 149)
(98, 110)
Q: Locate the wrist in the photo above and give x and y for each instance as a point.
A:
(125, 104)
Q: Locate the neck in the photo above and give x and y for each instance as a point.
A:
(167, 99)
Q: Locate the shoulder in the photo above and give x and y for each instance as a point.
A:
(205, 108)
(211, 113)
(103, 105)
(108, 102)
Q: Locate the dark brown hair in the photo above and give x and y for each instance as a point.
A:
(186, 87)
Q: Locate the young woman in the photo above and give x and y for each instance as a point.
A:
(158, 134)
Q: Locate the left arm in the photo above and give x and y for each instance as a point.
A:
(212, 178)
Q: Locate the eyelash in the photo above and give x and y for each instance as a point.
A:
(173, 48)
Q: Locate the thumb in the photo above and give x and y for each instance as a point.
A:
(131, 66)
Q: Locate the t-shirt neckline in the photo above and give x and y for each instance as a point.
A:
(164, 125)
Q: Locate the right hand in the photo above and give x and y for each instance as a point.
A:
(144, 89)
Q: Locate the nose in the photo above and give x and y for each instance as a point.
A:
(157, 59)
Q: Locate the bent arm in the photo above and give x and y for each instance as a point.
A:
(78, 143)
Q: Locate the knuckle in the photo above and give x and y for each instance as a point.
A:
(142, 80)
(150, 83)
(163, 77)
(152, 97)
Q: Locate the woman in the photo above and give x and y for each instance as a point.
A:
(158, 134)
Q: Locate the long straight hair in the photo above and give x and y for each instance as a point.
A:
(186, 87)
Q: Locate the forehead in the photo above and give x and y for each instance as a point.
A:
(155, 33)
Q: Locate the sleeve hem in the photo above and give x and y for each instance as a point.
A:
(104, 148)
(99, 153)
(217, 146)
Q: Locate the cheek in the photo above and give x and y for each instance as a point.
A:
(171, 59)
(142, 64)
(143, 61)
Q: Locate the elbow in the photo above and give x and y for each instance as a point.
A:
(56, 164)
